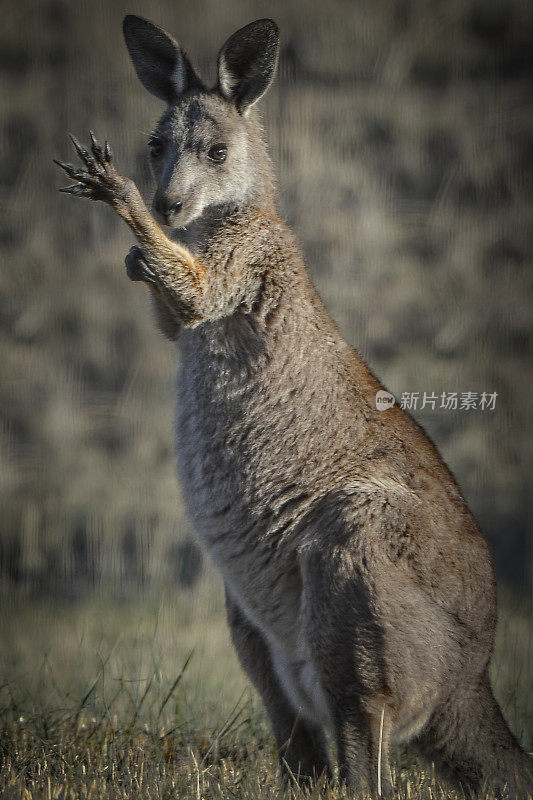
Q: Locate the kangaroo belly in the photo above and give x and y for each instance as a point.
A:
(226, 494)
(263, 579)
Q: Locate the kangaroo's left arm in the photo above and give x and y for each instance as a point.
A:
(178, 279)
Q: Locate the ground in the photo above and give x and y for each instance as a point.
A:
(123, 700)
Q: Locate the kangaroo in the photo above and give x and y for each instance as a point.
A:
(360, 593)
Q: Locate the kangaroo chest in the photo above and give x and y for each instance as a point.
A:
(230, 476)
(242, 520)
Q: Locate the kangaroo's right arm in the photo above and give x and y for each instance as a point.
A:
(178, 280)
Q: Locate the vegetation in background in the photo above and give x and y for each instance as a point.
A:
(403, 142)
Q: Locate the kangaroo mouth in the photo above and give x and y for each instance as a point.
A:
(179, 220)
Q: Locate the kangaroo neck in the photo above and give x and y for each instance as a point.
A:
(216, 222)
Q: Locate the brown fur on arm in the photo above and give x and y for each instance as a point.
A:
(181, 279)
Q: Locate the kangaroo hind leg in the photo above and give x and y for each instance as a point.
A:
(471, 745)
(346, 644)
(301, 745)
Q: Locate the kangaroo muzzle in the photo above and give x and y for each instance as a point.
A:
(167, 209)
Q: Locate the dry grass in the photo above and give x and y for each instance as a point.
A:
(124, 701)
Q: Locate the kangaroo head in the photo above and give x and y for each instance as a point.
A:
(206, 150)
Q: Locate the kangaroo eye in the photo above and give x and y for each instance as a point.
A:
(156, 148)
(218, 153)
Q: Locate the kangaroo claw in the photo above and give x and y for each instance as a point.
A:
(97, 179)
(77, 189)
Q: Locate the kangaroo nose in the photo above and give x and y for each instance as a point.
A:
(166, 207)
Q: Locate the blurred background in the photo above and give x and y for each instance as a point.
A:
(402, 135)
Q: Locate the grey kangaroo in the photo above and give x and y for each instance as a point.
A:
(360, 593)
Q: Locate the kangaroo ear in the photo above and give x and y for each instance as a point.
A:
(160, 63)
(247, 62)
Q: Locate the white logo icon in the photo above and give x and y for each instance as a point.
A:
(384, 400)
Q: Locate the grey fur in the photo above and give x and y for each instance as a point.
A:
(360, 592)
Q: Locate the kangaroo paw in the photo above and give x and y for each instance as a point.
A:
(137, 267)
(97, 179)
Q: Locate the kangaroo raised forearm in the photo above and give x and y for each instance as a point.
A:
(166, 258)
(179, 280)
(174, 273)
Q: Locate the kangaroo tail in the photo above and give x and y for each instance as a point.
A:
(470, 743)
